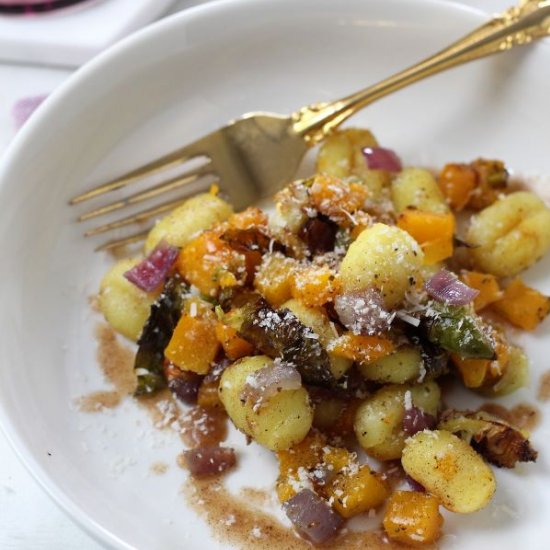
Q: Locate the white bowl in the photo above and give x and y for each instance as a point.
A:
(165, 86)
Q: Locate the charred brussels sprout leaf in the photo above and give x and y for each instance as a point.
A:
(434, 357)
(158, 329)
(459, 331)
(279, 333)
(500, 443)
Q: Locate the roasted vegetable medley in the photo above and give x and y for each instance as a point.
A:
(325, 329)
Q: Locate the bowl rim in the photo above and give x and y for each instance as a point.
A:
(16, 148)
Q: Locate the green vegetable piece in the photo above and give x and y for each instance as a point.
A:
(459, 331)
(164, 316)
(279, 333)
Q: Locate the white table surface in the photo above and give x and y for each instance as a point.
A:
(28, 517)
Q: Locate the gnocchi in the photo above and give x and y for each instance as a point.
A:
(124, 306)
(449, 469)
(194, 215)
(379, 419)
(510, 235)
(417, 188)
(402, 366)
(385, 258)
(280, 422)
(327, 325)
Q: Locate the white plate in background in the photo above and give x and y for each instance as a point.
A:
(166, 86)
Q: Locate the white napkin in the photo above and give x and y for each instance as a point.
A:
(71, 36)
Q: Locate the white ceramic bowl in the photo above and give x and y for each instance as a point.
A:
(163, 87)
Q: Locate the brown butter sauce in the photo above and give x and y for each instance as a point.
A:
(230, 517)
(117, 364)
(235, 522)
(543, 393)
(523, 416)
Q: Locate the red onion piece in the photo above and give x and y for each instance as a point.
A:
(267, 382)
(312, 517)
(416, 420)
(380, 158)
(363, 312)
(446, 287)
(209, 461)
(151, 271)
(185, 386)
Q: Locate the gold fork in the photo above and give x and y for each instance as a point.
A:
(255, 155)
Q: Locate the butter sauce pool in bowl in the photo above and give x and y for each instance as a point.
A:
(165, 86)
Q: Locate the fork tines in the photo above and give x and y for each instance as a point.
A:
(171, 160)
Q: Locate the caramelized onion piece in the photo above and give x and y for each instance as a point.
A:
(363, 312)
(209, 461)
(447, 288)
(319, 234)
(183, 384)
(312, 517)
(267, 382)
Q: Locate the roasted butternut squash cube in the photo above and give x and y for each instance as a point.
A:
(457, 181)
(233, 345)
(433, 231)
(337, 199)
(274, 278)
(193, 345)
(487, 284)
(336, 458)
(362, 349)
(522, 306)
(355, 492)
(315, 286)
(209, 263)
(413, 518)
(296, 460)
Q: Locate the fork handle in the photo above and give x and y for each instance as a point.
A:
(517, 26)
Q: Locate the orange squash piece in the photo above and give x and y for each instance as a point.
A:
(233, 345)
(457, 181)
(193, 345)
(314, 286)
(413, 518)
(476, 373)
(274, 279)
(306, 454)
(336, 458)
(363, 349)
(358, 491)
(437, 251)
(250, 217)
(522, 306)
(337, 199)
(210, 263)
(433, 231)
(489, 289)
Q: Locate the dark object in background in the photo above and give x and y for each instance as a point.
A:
(28, 7)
